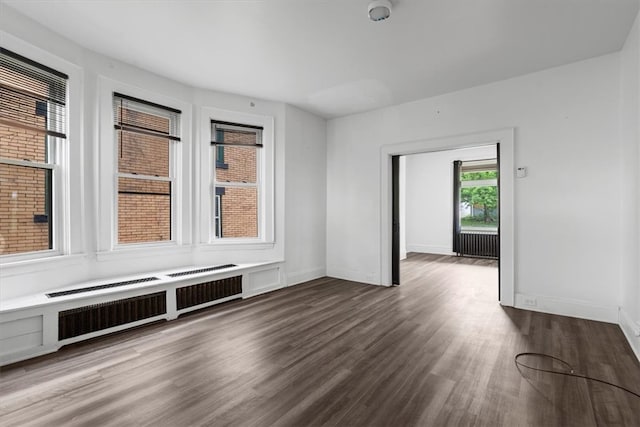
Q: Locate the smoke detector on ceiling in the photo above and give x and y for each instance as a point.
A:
(379, 10)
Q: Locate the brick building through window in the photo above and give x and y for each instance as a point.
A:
(236, 181)
(144, 133)
(32, 123)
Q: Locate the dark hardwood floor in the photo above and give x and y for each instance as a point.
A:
(437, 350)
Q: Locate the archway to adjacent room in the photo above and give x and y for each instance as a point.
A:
(448, 221)
(390, 245)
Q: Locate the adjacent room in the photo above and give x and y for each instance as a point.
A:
(322, 212)
(449, 215)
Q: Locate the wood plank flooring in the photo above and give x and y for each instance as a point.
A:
(437, 350)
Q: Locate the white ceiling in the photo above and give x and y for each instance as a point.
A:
(325, 56)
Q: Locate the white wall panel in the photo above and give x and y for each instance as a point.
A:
(566, 133)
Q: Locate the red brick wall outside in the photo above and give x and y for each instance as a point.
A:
(22, 195)
(144, 206)
(143, 154)
(241, 164)
(143, 218)
(239, 207)
(22, 189)
(239, 212)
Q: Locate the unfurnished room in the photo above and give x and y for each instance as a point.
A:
(320, 212)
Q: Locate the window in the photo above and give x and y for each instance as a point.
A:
(236, 185)
(32, 129)
(478, 198)
(217, 217)
(146, 133)
(220, 164)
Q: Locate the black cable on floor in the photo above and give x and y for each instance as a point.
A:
(571, 372)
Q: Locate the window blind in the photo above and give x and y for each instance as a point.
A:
(144, 117)
(478, 165)
(225, 133)
(30, 91)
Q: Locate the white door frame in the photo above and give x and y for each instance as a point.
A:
(505, 137)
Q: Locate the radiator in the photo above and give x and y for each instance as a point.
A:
(201, 270)
(97, 287)
(96, 317)
(479, 245)
(189, 296)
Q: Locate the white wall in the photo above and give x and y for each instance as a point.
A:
(630, 184)
(83, 261)
(305, 185)
(429, 206)
(566, 122)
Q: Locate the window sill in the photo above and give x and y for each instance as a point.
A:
(55, 260)
(164, 281)
(142, 251)
(236, 244)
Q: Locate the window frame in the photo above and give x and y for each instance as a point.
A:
(51, 199)
(64, 160)
(493, 182)
(107, 185)
(215, 150)
(217, 215)
(171, 179)
(264, 177)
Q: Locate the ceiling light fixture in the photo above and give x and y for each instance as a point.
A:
(379, 10)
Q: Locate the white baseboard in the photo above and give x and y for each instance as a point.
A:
(298, 277)
(260, 291)
(567, 307)
(631, 330)
(353, 276)
(429, 249)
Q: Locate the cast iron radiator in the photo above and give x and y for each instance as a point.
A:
(479, 245)
(201, 293)
(91, 318)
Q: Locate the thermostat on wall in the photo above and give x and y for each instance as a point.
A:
(521, 172)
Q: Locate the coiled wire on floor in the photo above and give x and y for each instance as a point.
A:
(570, 373)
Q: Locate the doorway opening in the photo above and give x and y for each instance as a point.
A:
(446, 218)
(391, 158)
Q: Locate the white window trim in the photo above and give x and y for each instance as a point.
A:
(67, 166)
(265, 178)
(107, 185)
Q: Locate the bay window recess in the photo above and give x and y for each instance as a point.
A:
(146, 134)
(33, 119)
(236, 180)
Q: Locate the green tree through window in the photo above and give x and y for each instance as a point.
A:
(482, 199)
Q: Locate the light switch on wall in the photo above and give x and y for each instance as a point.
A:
(521, 172)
